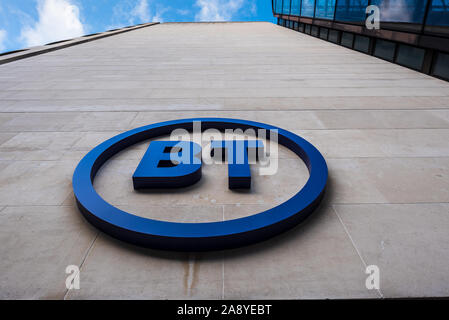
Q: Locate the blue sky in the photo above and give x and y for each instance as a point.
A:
(26, 23)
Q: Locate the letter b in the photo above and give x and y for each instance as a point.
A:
(169, 164)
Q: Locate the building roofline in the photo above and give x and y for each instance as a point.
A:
(58, 45)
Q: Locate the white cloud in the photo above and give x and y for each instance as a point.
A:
(397, 11)
(158, 17)
(253, 8)
(183, 12)
(2, 39)
(141, 11)
(217, 10)
(131, 12)
(58, 20)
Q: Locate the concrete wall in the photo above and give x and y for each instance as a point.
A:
(383, 129)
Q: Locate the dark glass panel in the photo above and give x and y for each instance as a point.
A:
(324, 33)
(347, 39)
(410, 11)
(308, 28)
(361, 43)
(441, 68)
(351, 10)
(384, 49)
(438, 13)
(409, 56)
(333, 36)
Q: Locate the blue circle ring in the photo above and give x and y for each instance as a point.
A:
(197, 236)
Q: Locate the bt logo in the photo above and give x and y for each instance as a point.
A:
(177, 163)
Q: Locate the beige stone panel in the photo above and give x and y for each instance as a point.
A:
(389, 180)
(38, 145)
(408, 242)
(4, 137)
(89, 140)
(226, 103)
(66, 121)
(313, 260)
(317, 119)
(388, 119)
(305, 119)
(23, 122)
(38, 243)
(116, 270)
(177, 213)
(4, 117)
(101, 121)
(35, 182)
(219, 82)
(379, 143)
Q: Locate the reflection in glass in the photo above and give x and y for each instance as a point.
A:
(351, 10)
(325, 9)
(307, 8)
(438, 13)
(286, 9)
(295, 7)
(411, 11)
(278, 6)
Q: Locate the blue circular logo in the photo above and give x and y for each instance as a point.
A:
(197, 236)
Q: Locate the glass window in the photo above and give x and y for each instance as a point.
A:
(384, 49)
(333, 36)
(286, 9)
(315, 31)
(295, 7)
(410, 56)
(323, 33)
(308, 28)
(278, 6)
(301, 27)
(411, 11)
(438, 13)
(361, 43)
(347, 39)
(307, 8)
(325, 9)
(351, 10)
(441, 68)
